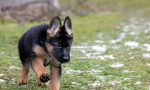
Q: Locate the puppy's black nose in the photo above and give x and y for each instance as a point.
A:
(65, 59)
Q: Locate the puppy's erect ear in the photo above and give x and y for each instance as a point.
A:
(68, 25)
(54, 26)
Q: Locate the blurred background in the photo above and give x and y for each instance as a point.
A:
(37, 10)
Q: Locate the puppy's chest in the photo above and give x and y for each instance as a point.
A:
(47, 60)
(40, 52)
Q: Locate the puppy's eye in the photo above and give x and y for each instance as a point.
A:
(56, 44)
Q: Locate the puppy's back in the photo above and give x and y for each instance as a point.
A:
(33, 36)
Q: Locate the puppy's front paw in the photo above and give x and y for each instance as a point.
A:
(44, 78)
(22, 83)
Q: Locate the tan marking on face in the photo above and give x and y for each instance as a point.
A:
(49, 47)
(39, 51)
(48, 37)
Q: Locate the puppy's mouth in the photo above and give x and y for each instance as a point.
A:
(63, 60)
(50, 59)
(54, 60)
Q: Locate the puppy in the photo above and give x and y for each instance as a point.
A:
(44, 45)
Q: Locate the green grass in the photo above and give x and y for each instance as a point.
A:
(82, 72)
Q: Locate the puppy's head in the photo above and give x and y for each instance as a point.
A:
(60, 37)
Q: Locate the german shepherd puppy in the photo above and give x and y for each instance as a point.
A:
(46, 45)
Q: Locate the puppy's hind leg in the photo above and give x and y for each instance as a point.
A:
(24, 75)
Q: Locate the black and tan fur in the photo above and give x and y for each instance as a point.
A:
(46, 45)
